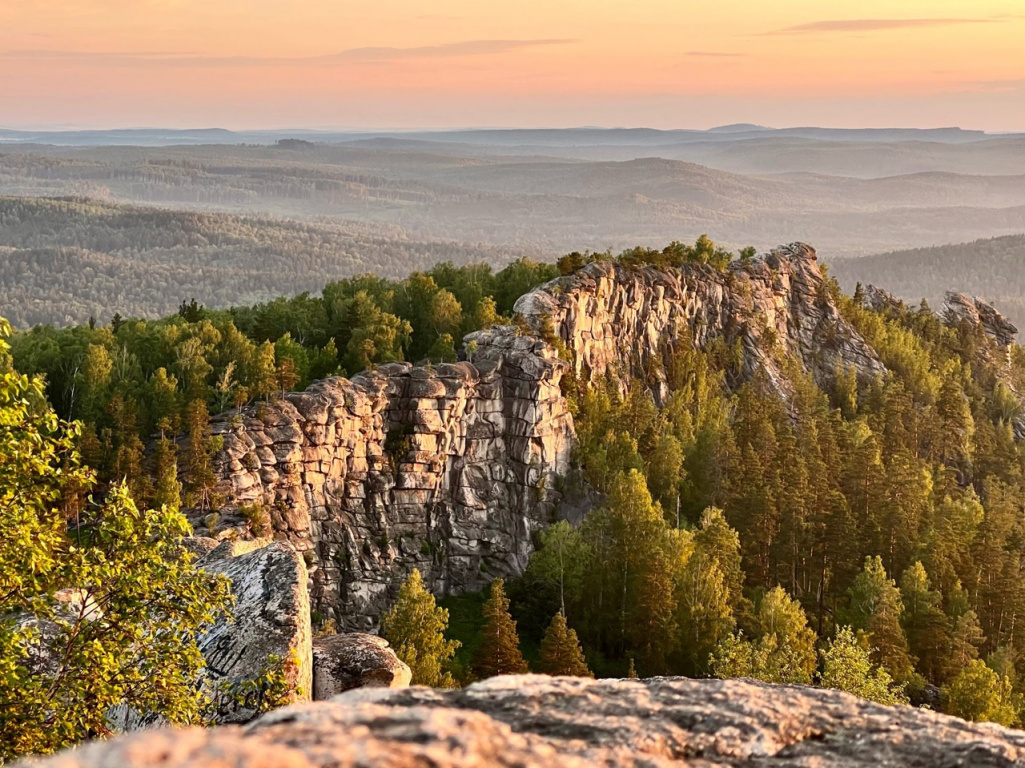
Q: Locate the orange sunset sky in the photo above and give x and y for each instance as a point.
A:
(450, 63)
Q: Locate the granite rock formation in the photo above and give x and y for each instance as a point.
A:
(449, 469)
(619, 320)
(575, 722)
(452, 468)
(355, 660)
(271, 616)
(958, 308)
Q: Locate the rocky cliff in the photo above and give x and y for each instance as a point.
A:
(622, 320)
(447, 468)
(451, 468)
(578, 723)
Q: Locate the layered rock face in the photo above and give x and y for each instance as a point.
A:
(959, 308)
(622, 320)
(451, 468)
(448, 469)
(578, 723)
(270, 617)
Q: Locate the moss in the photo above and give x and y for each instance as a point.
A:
(397, 444)
(256, 518)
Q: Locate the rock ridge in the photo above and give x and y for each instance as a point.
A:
(452, 468)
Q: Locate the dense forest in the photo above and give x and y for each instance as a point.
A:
(993, 269)
(874, 526)
(65, 260)
(851, 194)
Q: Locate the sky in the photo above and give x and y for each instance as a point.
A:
(530, 63)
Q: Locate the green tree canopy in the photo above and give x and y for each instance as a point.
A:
(979, 693)
(415, 626)
(127, 637)
(847, 666)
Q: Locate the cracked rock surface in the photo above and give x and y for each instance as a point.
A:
(355, 660)
(539, 721)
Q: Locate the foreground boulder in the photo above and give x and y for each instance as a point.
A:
(271, 617)
(355, 660)
(575, 722)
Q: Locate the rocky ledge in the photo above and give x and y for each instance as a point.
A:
(538, 721)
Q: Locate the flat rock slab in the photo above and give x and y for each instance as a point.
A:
(527, 721)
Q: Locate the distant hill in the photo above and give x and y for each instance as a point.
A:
(540, 200)
(64, 260)
(992, 269)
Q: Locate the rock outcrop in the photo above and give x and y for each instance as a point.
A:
(958, 308)
(355, 660)
(451, 469)
(271, 617)
(577, 723)
(620, 320)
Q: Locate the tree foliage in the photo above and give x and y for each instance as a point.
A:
(847, 666)
(561, 653)
(100, 605)
(415, 627)
(499, 651)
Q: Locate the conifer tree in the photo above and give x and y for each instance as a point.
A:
(876, 608)
(200, 478)
(631, 671)
(926, 626)
(415, 627)
(561, 653)
(166, 488)
(499, 651)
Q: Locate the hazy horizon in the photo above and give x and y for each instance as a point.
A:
(96, 64)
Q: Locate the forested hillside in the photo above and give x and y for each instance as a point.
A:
(63, 260)
(864, 534)
(993, 269)
(851, 194)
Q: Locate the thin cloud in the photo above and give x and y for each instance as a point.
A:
(872, 25)
(369, 55)
(715, 55)
(48, 54)
(996, 86)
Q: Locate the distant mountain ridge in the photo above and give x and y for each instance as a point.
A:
(176, 136)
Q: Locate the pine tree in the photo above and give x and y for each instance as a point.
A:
(876, 608)
(926, 626)
(561, 653)
(166, 488)
(499, 651)
(200, 478)
(631, 671)
(415, 627)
